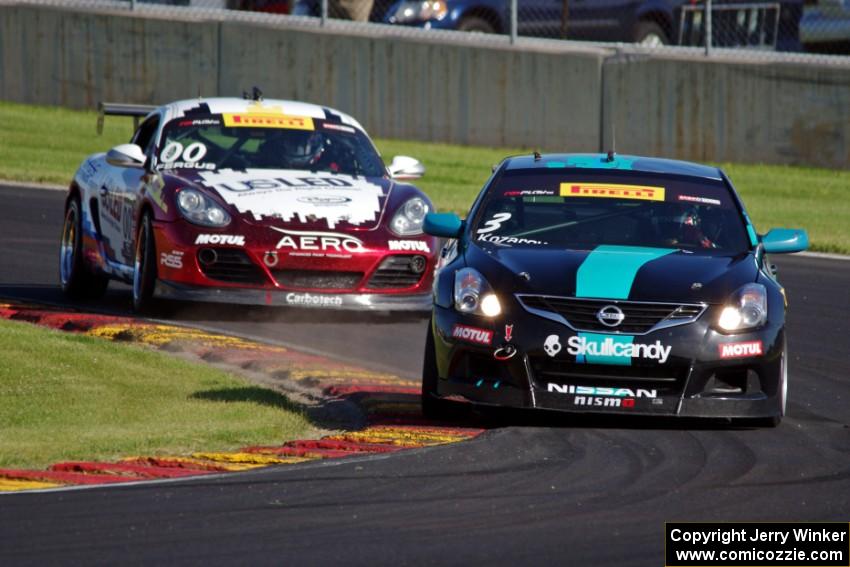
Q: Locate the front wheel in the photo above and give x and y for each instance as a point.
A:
(144, 266)
(75, 278)
(432, 406)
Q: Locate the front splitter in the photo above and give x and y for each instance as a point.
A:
(341, 301)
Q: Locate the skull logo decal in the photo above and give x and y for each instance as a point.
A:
(552, 346)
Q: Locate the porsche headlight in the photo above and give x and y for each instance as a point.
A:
(474, 295)
(421, 11)
(409, 218)
(746, 310)
(197, 208)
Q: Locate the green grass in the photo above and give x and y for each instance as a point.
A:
(73, 397)
(46, 144)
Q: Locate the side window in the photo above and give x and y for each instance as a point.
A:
(144, 136)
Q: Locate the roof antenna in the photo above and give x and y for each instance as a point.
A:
(537, 155)
(256, 94)
(613, 151)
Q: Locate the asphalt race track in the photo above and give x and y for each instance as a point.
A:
(535, 489)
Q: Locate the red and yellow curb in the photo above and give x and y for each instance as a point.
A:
(391, 405)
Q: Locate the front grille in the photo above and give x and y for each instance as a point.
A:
(396, 272)
(229, 265)
(551, 370)
(640, 317)
(317, 279)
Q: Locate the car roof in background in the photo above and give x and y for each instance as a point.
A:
(234, 105)
(616, 162)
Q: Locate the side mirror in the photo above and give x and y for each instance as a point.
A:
(447, 225)
(405, 167)
(126, 155)
(785, 240)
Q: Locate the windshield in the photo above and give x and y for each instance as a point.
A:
(242, 141)
(581, 210)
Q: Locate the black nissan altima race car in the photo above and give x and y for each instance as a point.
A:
(607, 283)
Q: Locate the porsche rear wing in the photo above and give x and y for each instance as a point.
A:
(137, 111)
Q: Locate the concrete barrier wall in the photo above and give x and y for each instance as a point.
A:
(707, 110)
(547, 95)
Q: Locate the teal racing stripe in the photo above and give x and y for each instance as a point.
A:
(600, 343)
(600, 162)
(609, 271)
(751, 232)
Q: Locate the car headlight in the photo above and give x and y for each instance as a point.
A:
(422, 11)
(747, 310)
(198, 209)
(474, 295)
(409, 217)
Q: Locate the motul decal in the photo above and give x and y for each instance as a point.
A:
(740, 350)
(473, 334)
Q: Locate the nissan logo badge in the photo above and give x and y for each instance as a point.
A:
(610, 316)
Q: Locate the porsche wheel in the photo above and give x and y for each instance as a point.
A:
(75, 278)
(144, 266)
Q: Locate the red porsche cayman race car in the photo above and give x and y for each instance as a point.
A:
(248, 201)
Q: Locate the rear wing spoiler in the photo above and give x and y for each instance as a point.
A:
(137, 111)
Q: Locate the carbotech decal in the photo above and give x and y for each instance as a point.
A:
(294, 195)
(612, 191)
(257, 120)
(608, 272)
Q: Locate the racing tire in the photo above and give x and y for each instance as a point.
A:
(144, 267)
(775, 420)
(75, 278)
(432, 406)
(476, 24)
(650, 34)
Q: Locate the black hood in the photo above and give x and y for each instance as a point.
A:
(675, 276)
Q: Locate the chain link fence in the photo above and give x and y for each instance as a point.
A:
(820, 27)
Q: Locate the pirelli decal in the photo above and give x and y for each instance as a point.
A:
(612, 191)
(257, 120)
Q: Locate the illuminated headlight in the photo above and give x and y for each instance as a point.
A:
(747, 309)
(422, 11)
(474, 295)
(197, 208)
(409, 217)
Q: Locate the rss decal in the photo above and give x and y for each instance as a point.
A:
(612, 191)
(268, 121)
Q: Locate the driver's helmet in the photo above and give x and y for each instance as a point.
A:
(302, 149)
(294, 149)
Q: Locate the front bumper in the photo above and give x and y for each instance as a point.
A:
(342, 301)
(694, 381)
(245, 267)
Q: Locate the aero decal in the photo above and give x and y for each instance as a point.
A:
(251, 120)
(609, 271)
(612, 191)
